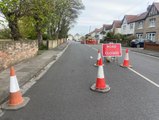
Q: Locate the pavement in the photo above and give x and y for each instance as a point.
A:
(29, 69)
(147, 52)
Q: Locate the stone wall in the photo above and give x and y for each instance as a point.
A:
(12, 52)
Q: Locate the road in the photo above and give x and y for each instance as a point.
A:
(63, 93)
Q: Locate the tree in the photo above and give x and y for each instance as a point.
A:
(27, 27)
(66, 11)
(52, 16)
(13, 10)
(40, 10)
(110, 35)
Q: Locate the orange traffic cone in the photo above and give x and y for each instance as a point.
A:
(100, 85)
(126, 62)
(99, 59)
(16, 101)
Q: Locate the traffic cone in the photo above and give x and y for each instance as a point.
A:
(99, 59)
(126, 62)
(16, 101)
(100, 85)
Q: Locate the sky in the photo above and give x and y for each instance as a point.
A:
(99, 12)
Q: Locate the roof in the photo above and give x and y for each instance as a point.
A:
(156, 4)
(99, 30)
(130, 18)
(139, 17)
(107, 26)
(143, 15)
(96, 30)
(117, 23)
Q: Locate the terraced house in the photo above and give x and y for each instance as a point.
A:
(147, 24)
(128, 25)
(107, 28)
(116, 27)
(139, 25)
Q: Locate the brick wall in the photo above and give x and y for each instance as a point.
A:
(151, 46)
(13, 52)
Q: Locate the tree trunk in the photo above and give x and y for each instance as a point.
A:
(39, 34)
(13, 25)
(40, 38)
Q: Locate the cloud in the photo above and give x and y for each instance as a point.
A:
(99, 12)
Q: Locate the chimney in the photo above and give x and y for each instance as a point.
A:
(148, 8)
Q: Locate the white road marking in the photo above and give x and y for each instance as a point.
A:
(147, 79)
(150, 81)
(33, 81)
(91, 57)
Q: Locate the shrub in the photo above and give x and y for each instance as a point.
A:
(43, 47)
(5, 33)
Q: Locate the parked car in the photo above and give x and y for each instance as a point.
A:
(137, 43)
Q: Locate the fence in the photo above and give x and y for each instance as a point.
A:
(151, 46)
(54, 43)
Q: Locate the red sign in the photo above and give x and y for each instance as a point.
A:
(112, 50)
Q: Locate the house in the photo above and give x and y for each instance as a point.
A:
(106, 28)
(96, 34)
(128, 25)
(116, 27)
(70, 37)
(147, 24)
(92, 34)
(139, 25)
(152, 23)
(77, 37)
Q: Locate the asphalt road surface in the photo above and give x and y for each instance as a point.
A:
(63, 93)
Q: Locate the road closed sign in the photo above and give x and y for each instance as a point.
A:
(111, 50)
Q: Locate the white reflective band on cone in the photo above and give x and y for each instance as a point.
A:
(100, 72)
(14, 87)
(99, 56)
(126, 56)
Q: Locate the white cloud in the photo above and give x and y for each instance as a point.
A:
(99, 12)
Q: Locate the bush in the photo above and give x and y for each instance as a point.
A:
(102, 41)
(110, 35)
(43, 47)
(5, 33)
(46, 37)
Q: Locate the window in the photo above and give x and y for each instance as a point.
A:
(139, 35)
(140, 25)
(152, 22)
(151, 36)
(131, 26)
(124, 27)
